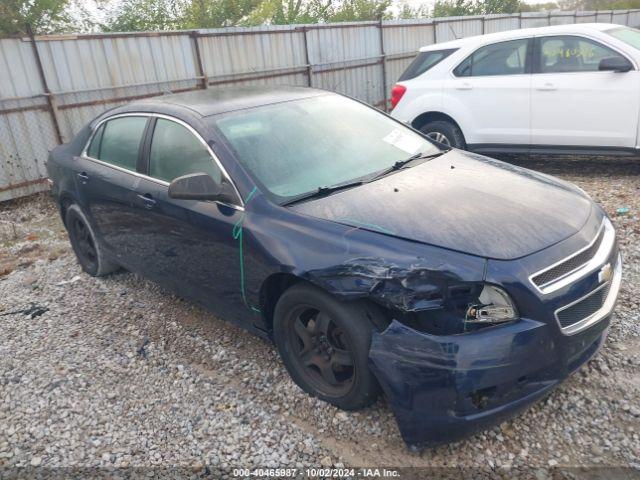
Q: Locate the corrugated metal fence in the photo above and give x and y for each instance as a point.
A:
(52, 85)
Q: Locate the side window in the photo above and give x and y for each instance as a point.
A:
(94, 149)
(504, 58)
(175, 151)
(568, 53)
(423, 62)
(117, 141)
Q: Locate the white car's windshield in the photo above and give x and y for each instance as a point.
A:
(294, 148)
(630, 36)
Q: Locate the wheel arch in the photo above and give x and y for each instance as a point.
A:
(276, 284)
(431, 116)
(66, 199)
(271, 290)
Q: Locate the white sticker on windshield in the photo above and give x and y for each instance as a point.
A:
(404, 141)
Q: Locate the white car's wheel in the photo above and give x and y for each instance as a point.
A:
(445, 133)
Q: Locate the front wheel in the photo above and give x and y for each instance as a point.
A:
(445, 133)
(324, 345)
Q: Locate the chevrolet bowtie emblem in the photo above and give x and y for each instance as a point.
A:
(605, 273)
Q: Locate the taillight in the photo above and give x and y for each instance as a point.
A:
(396, 94)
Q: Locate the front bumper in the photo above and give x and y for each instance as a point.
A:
(442, 388)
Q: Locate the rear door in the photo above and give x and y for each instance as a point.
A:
(189, 245)
(106, 179)
(492, 87)
(575, 104)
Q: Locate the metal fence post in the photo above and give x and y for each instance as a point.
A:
(306, 57)
(45, 87)
(384, 64)
(204, 81)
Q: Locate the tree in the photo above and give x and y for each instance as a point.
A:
(599, 4)
(277, 12)
(219, 13)
(314, 11)
(498, 6)
(360, 10)
(407, 11)
(146, 15)
(538, 7)
(454, 8)
(44, 16)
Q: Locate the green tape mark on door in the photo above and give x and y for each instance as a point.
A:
(237, 235)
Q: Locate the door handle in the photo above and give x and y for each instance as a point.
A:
(148, 200)
(547, 87)
(464, 86)
(84, 177)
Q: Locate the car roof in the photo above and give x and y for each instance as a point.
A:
(519, 33)
(212, 101)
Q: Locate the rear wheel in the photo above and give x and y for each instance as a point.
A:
(324, 345)
(86, 246)
(444, 132)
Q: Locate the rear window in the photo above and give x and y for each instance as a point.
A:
(423, 62)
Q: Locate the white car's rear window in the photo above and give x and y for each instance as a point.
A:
(423, 62)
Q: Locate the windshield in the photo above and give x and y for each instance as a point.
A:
(294, 148)
(630, 36)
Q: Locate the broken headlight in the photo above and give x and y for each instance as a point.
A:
(493, 306)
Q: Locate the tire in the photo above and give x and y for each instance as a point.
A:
(324, 344)
(85, 244)
(444, 132)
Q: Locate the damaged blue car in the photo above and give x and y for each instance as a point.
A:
(461, 287)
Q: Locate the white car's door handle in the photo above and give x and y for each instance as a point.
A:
(464, 86)
(547, 87)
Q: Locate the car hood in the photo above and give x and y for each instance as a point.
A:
(464, 202)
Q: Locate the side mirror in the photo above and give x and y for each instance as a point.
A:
(200, 186)
(615, 64)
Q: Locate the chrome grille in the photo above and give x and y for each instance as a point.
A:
(569, 265)
(579, 264)
(584, 308)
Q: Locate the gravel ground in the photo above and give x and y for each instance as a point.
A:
(117, 372)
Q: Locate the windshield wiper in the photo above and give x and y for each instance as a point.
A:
(401, 163)
(324, 191)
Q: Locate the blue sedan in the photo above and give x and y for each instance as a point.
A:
(377, 260)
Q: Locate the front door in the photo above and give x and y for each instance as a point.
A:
(189, 245)
(573, 103)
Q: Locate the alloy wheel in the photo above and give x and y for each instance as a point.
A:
(439, 137)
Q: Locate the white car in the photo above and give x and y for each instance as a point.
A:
(560, 89)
